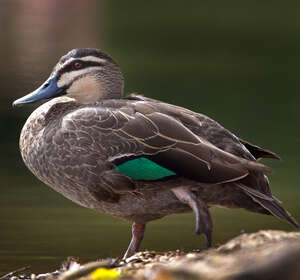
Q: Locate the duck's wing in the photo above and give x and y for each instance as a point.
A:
(166, 142)
(211, 130)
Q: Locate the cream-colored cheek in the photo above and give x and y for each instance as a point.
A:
(85, 90)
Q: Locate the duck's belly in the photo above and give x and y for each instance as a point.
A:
(144, 207)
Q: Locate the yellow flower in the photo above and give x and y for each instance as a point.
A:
(105, 274)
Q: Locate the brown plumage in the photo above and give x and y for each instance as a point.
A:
(137, 158)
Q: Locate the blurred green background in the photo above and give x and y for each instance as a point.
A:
(236, 61)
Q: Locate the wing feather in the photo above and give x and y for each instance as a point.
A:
(169, 143)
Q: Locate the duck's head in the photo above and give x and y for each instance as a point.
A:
(87, 75)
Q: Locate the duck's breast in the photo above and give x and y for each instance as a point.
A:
(68, 159)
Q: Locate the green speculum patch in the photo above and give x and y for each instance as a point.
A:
(143, 169)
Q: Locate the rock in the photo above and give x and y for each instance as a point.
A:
(263, 255)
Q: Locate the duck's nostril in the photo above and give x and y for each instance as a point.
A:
(46, 85)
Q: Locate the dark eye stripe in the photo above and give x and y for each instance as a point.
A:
(69, 67)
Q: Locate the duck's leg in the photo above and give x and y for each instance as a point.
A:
(136, 239)
(202, 215)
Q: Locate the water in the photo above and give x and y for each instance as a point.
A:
(237, 63)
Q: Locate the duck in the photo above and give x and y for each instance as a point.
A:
(137, 158)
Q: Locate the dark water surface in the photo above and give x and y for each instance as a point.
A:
(237, 62)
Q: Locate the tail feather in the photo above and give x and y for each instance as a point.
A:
(275, 209)
(254, 192)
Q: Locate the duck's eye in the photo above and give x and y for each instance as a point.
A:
(77, 65)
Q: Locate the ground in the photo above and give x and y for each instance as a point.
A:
(264, 255)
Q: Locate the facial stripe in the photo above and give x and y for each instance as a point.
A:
(85, 52)
(87, 58)
(66, 78)
(92, 58)
(66, 64)
(79, 53)
(69, 67)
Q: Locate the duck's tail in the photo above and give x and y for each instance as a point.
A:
(271, 204)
